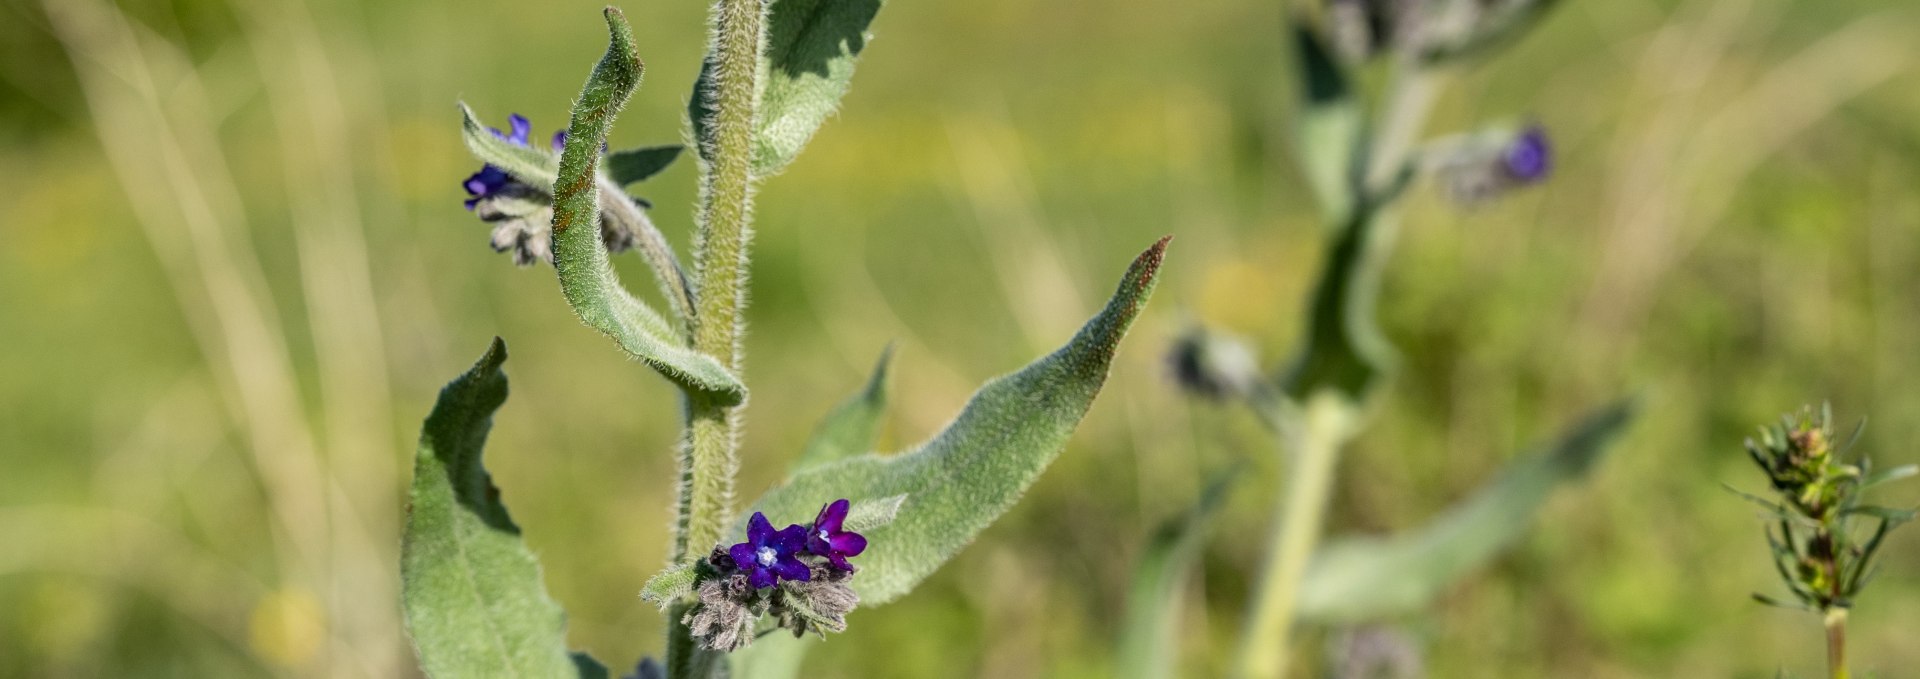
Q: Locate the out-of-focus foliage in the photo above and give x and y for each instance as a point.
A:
(1732, 230)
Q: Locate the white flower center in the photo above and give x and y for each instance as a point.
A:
(823, 534)
(765, 556)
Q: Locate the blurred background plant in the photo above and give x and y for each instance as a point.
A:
(231, 260)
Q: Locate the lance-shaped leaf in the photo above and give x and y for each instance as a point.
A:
(1345, 351)
(1360, 579)
(968, 475)
(1148, 643)
(475, 605)
(627, 166)
(774, 656)
(586, 276)
(531, 166)
(812, 46)
(849, 430)
(1328, 131)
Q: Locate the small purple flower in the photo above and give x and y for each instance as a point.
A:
(769, 555)
(826, 538)
(488, 181)
(1530, 157)
(559, 141)
(521, 128)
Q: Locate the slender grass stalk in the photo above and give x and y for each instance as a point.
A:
(1324, 425)
(1837, 643)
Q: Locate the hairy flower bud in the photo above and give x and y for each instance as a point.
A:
(1475, 170)
(1214, 365)
(725, 617)
(819, 604)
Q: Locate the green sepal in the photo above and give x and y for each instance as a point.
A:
(1358, 579)
(471, 590)
(964, 478)
(531, 166)
(670, 585)
(587, 278)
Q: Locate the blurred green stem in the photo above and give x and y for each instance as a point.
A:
(1329, 418)
(1837, 643)
(1319, 430)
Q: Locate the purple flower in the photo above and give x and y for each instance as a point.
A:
(488, 181)
(769, 555)
(521, 128)
(826, 538)
(1530, 157)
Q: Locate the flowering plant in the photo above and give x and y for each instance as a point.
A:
(474, 603)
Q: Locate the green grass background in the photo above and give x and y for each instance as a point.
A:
(1731, 232)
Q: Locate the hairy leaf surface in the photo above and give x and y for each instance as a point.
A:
(587, 277)
(812, 47)
(968, 475)
(474, 601)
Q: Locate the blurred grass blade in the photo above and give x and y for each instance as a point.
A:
(812, 46)
(474, 601)
(1361, 579)
(627, 166)
(1149, 646)
(580, 257)
(968, 475)
(532, 166)
(1329, 121)
(850, 429)
(1887, 475)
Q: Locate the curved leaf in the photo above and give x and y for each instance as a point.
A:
(531, 166)
(1328, 124)
(474, 601)
(812, 46)
(1345, 351)
(1359, 579)
(627, 166)
(968, 475)
(850, 429)
(1148, 645)
(587, 278)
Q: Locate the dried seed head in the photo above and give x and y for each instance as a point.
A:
(819, 604)
(724, 619)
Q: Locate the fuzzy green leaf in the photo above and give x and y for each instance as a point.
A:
(1329, 122)
(472, 593)
(812, 46)
(587, 277)
(1368, 578)
(531, 166)
(868, 515)
(1148, 644)
(850, 429)
(968, 475)
(627, 166)
(774, 656)
(669, 585)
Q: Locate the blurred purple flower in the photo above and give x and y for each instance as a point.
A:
(769, 555)
(521, 127)
(1530, 157)
(826, 537)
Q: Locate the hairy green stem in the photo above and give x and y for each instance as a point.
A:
(710, 458)
(1321, 428)
(721, 268)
